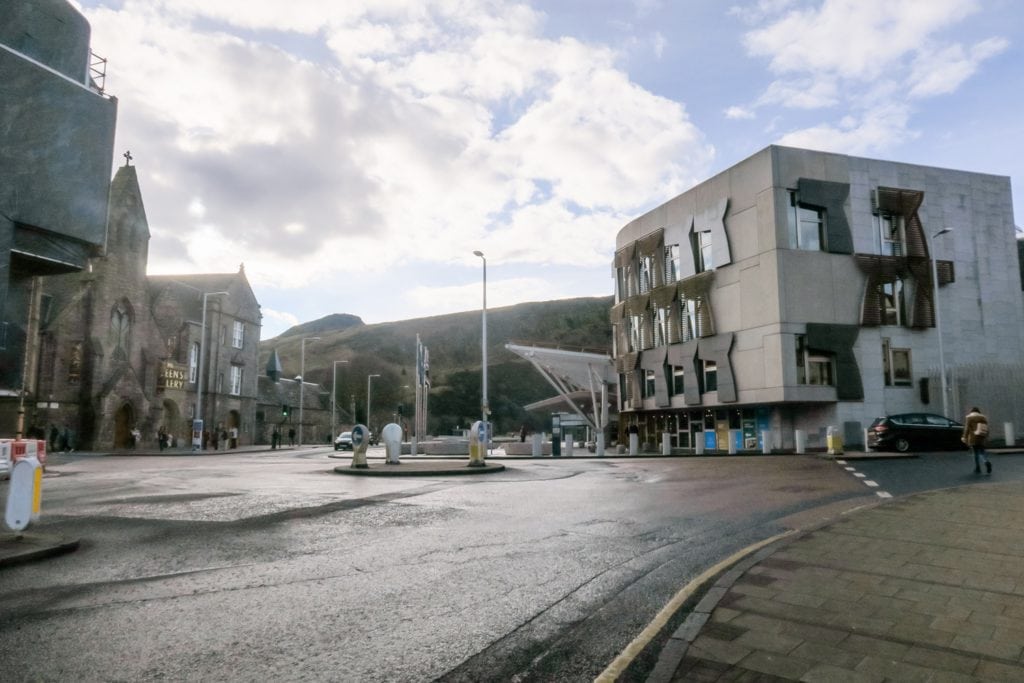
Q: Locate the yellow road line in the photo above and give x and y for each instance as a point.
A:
(626, 657)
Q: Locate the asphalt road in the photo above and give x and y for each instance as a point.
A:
(270, 566)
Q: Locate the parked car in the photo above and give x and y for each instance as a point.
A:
(917, 431)
(343, 442)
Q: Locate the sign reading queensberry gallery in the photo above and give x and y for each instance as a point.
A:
(172, 376)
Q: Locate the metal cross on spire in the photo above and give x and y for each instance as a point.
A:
(128, 158)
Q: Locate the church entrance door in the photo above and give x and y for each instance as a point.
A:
(124, 419)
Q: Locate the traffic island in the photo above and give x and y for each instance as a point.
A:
(417, 469)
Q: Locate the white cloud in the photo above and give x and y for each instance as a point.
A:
(942, 71)
(860, 136)
(864, 58)
(738, 113)
(417, 129)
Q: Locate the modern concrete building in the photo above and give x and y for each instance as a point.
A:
(795, 291)
(56, 150)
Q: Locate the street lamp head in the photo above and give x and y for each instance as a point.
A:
(478, 253)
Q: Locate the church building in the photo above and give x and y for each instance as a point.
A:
(120, 352)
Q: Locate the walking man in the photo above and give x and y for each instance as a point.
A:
(975, 436)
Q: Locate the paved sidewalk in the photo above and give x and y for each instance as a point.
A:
(925, 588)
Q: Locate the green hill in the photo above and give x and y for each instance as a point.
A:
(389, 349)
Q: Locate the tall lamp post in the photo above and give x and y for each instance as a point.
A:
(369, 385)
(938, 325)
(197, 439)
(334, 394)
(302, 382)
(484, 410)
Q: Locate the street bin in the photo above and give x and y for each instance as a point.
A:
(834, 441)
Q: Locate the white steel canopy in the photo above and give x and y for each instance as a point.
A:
(571, 372)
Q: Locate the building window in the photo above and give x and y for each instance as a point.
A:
(672, 264)
(220, 383)
(813, 367)
(75, 363)
(236, 380)
(193, 363)
(635, 332)
(806, 225)
(891, 236)
(660, 326)
(896, 365)
(703, 258)
(678, 372)
(893, 309)
(238, 334)
(648, 383)
(645, 274)
(621, 288)
(687, 319)
(709, 376)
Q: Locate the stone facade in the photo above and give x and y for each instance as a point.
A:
(119, 350)
(795, 291)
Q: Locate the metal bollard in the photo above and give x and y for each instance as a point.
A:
(600, 445)
(698, 446)
(536, 441)
(666, 443)
(801, 440)
(766, 443)
(634, 444)
(1008, 433)
(731, 447)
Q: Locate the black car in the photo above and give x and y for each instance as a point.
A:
(918, 431)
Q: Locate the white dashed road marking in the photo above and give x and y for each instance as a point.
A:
(863, 477)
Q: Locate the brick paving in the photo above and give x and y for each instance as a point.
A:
(928, 588)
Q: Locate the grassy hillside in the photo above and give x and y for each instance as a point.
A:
(389, 349)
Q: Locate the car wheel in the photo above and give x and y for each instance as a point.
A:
(902, 445)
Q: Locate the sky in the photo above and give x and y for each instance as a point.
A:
(353, 155)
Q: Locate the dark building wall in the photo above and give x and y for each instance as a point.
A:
(56, 149)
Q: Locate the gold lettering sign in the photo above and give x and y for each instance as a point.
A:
(172, 376)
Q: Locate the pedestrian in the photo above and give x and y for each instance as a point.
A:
(275, 439)
(136, 436)
(291, 436)
(215, 438)
(161, 437)
(975, 435)
(522, 434)
(54, 436)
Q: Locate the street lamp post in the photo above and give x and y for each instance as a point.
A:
(334, 394)
(369, 378)
(484, 410)
(302, 382)
(197, 442)
(938, 326)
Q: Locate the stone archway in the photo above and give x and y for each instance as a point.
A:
(124, 420)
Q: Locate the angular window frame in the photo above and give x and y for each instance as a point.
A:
(807, 225)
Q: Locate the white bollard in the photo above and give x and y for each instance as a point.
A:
(732, 441)
(1008, 433)
(698, 446)
(766, 443)
(600, 445)
(666, 443)
(536, 448)
(567, 449)
(392, 437)
(801, 440)
(866, 448)
(413, 446)
(634, 444)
